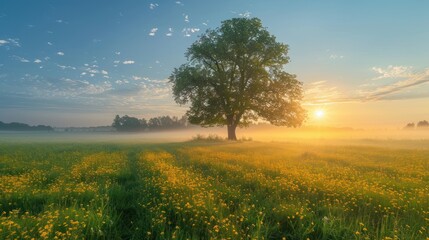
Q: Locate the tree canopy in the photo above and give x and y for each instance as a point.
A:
(234, 76)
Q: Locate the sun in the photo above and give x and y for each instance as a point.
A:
(319, 113)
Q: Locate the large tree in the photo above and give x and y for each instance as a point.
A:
(234, 76)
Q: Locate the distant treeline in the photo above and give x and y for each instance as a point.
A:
(15, 126)
(420, 125)
(130, 124)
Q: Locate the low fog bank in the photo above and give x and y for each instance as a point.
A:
(179, 135)
(399, 138)
(255, 133)
(272, 133)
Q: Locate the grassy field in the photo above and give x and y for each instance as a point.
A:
(213, 190)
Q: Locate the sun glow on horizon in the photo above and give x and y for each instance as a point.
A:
(319, 113)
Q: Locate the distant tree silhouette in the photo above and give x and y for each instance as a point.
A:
(117, 122)
(410, 126)
(130, 123)
(183, 121)
(143, 123)
(127, 123)
(16, 126)
(154, 123)
(423, 124)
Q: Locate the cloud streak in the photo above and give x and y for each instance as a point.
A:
(21, 59)
(386, 91)
(322, 92)
(10, 42)
(393, 72)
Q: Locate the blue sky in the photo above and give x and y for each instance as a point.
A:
(78, 63)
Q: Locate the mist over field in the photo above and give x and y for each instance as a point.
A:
(321, 135)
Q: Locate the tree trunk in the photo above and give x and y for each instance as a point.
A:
(231, 132)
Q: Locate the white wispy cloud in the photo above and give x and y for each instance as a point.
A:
(21, 59)
(335, 56)
(122, 81)
(14, 42)
(90, 70)
(82, 87)
(189, 31)
(10, 42)
(153, 31)
(37, 60)
(393, 72)
(60, 53)
(49, 43)
(66, 67)
(128, 62)
(104, 72)
(138, 78)
(152, 6)
(186, 18)
(246, 14)
(118, 53)
(170, 32)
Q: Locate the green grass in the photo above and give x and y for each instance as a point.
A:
(214, 190)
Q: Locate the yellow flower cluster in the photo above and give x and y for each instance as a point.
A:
(70, 205)
(376, 185)
(190, 204)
